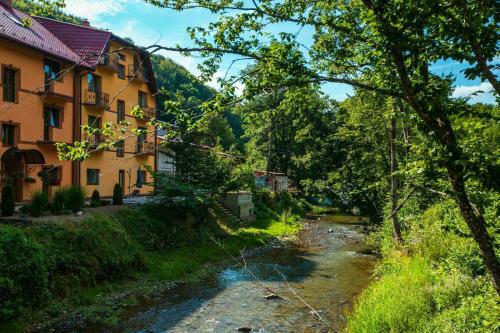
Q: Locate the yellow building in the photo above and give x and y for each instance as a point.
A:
(56, 77)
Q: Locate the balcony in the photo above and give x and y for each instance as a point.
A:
(96, 99)
(146, 148)
(139, 74)
(149, 113)
(109, 62)
(49, 94)
(94, 140)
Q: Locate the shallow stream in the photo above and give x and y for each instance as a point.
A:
(327, 272)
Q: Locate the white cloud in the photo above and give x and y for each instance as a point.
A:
(478, 94)
(93, 10)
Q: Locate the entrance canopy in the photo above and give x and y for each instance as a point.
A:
(30, 156)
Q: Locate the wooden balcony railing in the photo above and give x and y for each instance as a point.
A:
(136, 73)
(146, 148)
(97, 99)
(94, 140)
(149, 113)
(109, 62)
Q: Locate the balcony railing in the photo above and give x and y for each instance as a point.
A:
(149, 113)
(136, 73)
(109, 62)
(98, 99)
(94, 140)
(146, 148)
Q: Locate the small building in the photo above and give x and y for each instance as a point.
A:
(240, 204)
(274, 181)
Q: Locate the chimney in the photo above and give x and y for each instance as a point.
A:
(86, 23)
(7, 2)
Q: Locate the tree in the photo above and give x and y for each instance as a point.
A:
(8, 203)
(378, 45)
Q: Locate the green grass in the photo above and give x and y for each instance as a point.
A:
(142, 247)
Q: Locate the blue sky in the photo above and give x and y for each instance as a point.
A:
(147, 24)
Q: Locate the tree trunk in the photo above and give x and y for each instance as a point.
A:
(394, 185)
(484, 66)
(477, 225)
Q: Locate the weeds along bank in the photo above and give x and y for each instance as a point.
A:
(44, 263)
(437, 283)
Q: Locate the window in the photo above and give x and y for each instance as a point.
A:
(93, 176)
(8, 135)
(94, 122)
(94, 83)
(141, 178)
(10, 85)
(121, 71)
(52, 70)
(52, 176)
(52, 117)
(120, 148)
(122, 57)
(143, 99)
(120, 112)
(141, 139)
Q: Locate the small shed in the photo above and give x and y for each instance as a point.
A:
(274, 181)
(240, 204)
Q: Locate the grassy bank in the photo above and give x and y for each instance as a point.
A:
(436, 283)
(49, 269)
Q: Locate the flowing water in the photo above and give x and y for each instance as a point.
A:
(327, 272)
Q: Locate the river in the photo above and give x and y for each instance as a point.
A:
(327, 272)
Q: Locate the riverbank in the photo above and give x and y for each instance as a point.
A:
(91, 271)
(327, 267)
(436, 282)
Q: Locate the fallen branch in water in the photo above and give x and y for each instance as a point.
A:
(314, 313)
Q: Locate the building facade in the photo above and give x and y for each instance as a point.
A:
(56, 77)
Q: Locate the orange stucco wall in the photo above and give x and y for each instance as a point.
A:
(27, 113)
(107, 161)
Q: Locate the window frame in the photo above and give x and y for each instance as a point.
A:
(121, 74)
(60, 112)
(120, 148)
(120, 114)
(59, 63)
(97, 173)
(17, 83)
(145, 94)
(15, 129)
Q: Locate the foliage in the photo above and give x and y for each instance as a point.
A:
(75, 199)
(95, 200)
(23, 273)
(46, 8)
(441, 287)
(39, 204)
(8, 204)
(117, 195)
(58, 201)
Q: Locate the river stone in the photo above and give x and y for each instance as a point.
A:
(244, 329)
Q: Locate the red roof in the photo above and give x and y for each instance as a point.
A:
(36, 36)
(88, 43)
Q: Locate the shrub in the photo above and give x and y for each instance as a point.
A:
(39, 204)
(23, 273)
(8, 204)
(117, 195)
(95, 201)
(57, 206)
(75, 199)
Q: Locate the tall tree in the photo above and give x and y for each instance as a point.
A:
(396, 40)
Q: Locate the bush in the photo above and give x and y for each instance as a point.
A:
(23, 273)
(8, 205)
(117, 195)
(75, 199)
(39, 204)
(57, 206)
(95, 201)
